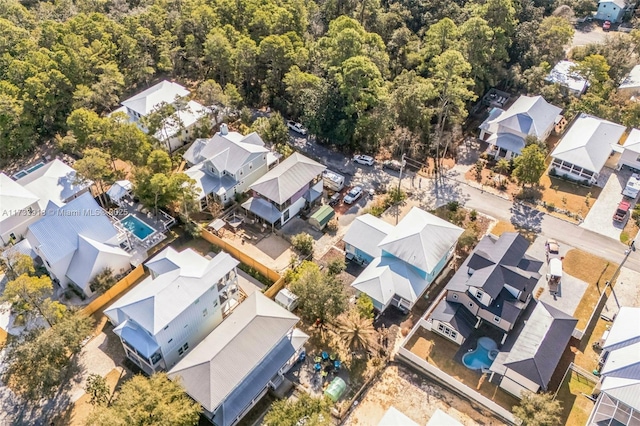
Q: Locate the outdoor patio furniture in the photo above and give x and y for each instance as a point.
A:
(325, 356)
(317, 359)
(317, 366)
(302, 357)
(336, 365)
(324, 374)
(333, 357)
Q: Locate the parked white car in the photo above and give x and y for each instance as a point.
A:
(364, 159)
(296, 127)
(353, 195)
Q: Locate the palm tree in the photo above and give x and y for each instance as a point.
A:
(502, 168)
(357, 333)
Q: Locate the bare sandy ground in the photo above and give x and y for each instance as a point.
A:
(415, 397)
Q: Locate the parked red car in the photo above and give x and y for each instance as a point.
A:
(606, 25)
(622, 211)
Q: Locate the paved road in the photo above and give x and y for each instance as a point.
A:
(454, 188)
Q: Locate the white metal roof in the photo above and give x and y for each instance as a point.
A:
(625, 329)
(14, 197)
(632, 80)
(632, 143)
(165, 91)
(366, 232)
(421, 239)
(624, 390)
(55, 181)
(287, 178)
(395, 417)
(57, 232)
(527, 116)
(119, 189)
(564, 75)
(181, 279)
(386, 276)
(89, 255)
(588, 143)
(183, 119)
(623, 362)
(220, 363)
(440, 418)
(228, 152)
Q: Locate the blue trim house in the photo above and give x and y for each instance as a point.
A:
(611, 10)
(405, 261)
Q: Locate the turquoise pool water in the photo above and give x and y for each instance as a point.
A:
(482, 356)
(137, 227)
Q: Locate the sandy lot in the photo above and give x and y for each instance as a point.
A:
(416, 397)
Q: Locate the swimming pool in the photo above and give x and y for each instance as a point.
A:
(137, 227)
(482, 356)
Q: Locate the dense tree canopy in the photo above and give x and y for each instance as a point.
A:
(353, 72)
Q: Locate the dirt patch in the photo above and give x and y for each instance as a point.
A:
(414, 396)
(441, 352)
(494, 182)
(630, 230)
(3, 337)
(562, 194)
(501, 227)
(593, 270)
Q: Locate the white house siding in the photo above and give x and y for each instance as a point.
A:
(251, 172)
(118, 264)
(630, 159)
(485, 300)
(515, 383)
(191, 326)
(608, 10)
(514, 291)
(459, 339)
(17, 223)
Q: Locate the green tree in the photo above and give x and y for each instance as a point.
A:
(98, 389)
(95, 165)
(355, 331)
(37, 363)
(15, 264)
(595, 69)
(321, 296)
(31, 296)
(102, 281)
(303, 242)
(553, 36)
(538, 409)
(529, 166)
(502, 168)
(148, 401)
(159, 161)
(364, 306)
(336, 266)
(307, 410)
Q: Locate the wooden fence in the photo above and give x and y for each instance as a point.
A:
(114, 291)
(278, 281)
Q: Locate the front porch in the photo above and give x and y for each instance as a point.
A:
(572, 171)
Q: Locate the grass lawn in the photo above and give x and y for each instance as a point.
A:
(593, 270)
(3, 337)
(502, 227)
(440, 352)
(567, 195)
(575, 406)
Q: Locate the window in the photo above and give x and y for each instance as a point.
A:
(441, 328)
(454, 335)
(12, 236)
(205, 312)
(197, 301)
(186, 325)
(180, 351)
(250, 166)
(166, 327)
(185, 346)
(215, 303)
(155, 358)
(479, 294)
(496, 318)
(48, 264)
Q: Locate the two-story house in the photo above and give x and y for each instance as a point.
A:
(171, 311)
(493, 286)
(19, 208)
(412, 255)
(176, 129)
(280, 194)
(76, 242)
(618, 391)
(226, 164)
(362, 240)
(506, 131)
(245, 356)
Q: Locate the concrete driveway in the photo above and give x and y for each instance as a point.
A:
(600, 217)
(588, 33)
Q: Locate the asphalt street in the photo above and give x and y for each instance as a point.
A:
(432, 193)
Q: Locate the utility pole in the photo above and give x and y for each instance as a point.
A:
(402, 161)
(627, 252)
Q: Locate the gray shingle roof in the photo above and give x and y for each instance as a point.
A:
(226, 359)
(541, 343)
(456, 315)
(287, 178)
